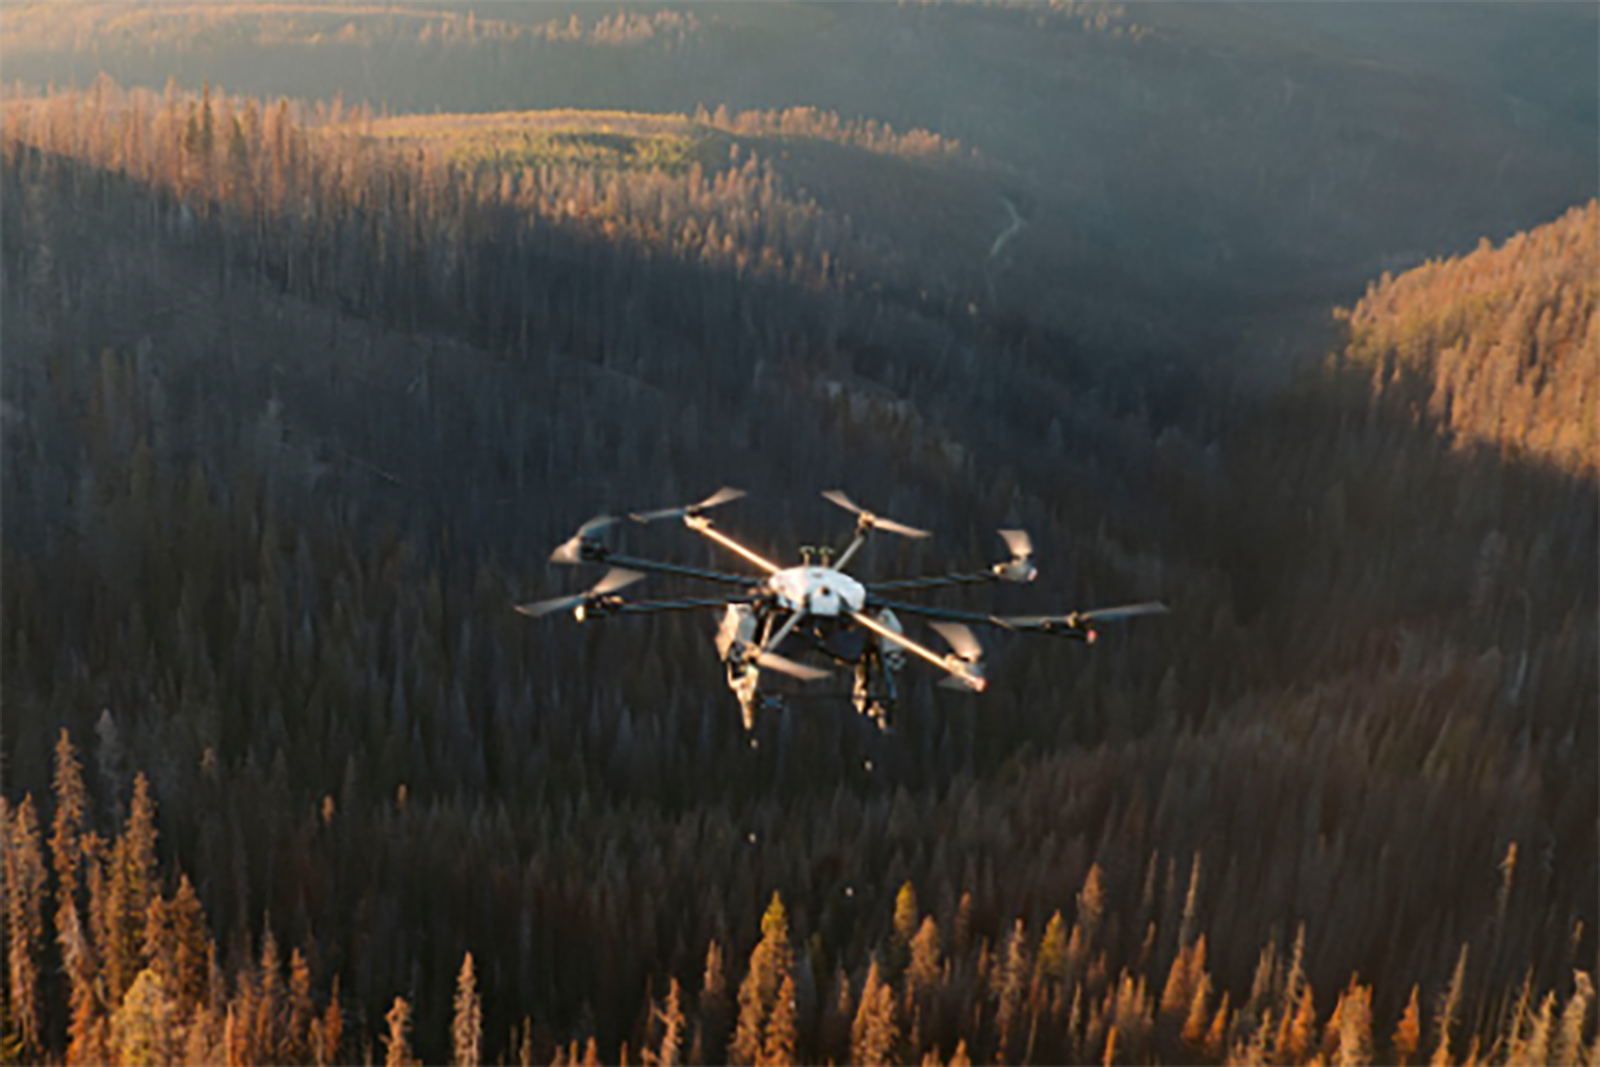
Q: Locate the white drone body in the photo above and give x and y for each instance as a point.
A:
(818, 608)
(820, 591)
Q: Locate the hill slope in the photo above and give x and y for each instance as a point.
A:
(1502, 345)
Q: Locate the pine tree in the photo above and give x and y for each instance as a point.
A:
(143, 1030)
(874, 1032)
(1194, 1024)
(1092, 903)
(670, 1051)
(24, 897)
(132, 887)
(191, 940)
(1448, 1009)
(770, 963)
(66, 851)
(778, 1050)
(397, 1042)
(85, 1035)
(328, 1031)
(1177, 993)
(1052, 962)
(713, 1007)
(923, 974)
(905, 928)
(1010, 986)
(1297, 1038)
(1191, 905)
(302, 1011)
(1568, 1043)
(466, 1030)
(1355, 1027)
(1408, 1031)
(1217, 1035)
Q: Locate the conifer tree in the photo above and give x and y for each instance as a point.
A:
(1010, 985)
(1052, 962)
(132, 885)
(466, 1028)
(302, 1011)
(191, 939)
(397, 1042)
(143, 1031)
(923, 974)
(1195, 1022)
(1449, 1006)
(24, 897)
(1217, 1035)
(1355, 1027)
(874, 1032)
(1177, 993)
(328, 1031)
(65, 848)
(1299, 1033)
(1408, 1032)
(713, 1006)
(778, 1050)
(1191, 905)
(1568, 1044)
(670, 1015)
(770, 963)
(905, 928)
(83, 1000)
(1092, 903)
(266, 1023)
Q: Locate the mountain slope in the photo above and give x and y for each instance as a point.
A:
(1502, 345)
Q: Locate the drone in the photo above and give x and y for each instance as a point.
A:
(816, 609)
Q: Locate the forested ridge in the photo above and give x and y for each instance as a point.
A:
(292, 419)
(1183, 173)
(1498, 344)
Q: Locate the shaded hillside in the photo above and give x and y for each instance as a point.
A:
(1502, 345)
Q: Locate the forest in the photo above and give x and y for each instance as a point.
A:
(299, 393)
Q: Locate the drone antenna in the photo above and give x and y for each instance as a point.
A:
(805, 555)
(825, 555)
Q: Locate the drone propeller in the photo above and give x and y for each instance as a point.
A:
(1124, 611)
(783, 665)
(964, 646)
(1075, 623)
(961, 640)
(869, 519)
(1018, 541)
(721, 496)
(1019, 568)
(571, 550)
(615, 578)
